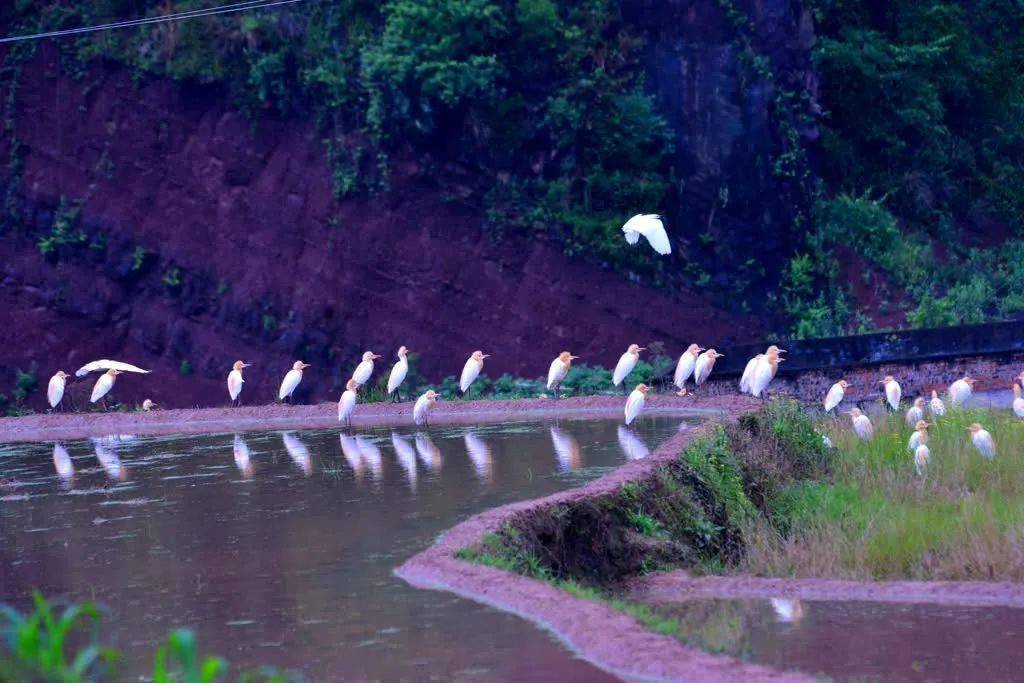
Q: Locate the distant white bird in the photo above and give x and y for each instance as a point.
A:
(936, 405)
(424, 404)
(960, 390)
(982, 440)
(406, 457)
(365, 368)
(430, 455)
(635, 403)
(471, 370)
(836, 394)
(558, 370)
(627, 362)
(650, 226)
(567, 449)
(920, 432)
(148, 405)
(922, 456)
(632, 447)
(748, 373)
(103, 385)
(1018, 401)
(398, 373)
(687, 362)
(240, 450)
(298, 452)
(370, 454)
(916, 411)
(787, 611)
(62, 462)
(55, 389)
(291, 380)
(893, 392)
(862, 426)
(347, 402)
(764, 372)
(235, 380)
(108, 365)
(705, 362)
(480, 455)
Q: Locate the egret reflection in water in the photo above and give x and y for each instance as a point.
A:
(787, 611)
(430, 454)
(480, 454)
(567, 449)
(109, 461)
(370, 454)
(242, 460)
(62, 463)
(350, 450)
(632, 447)
(406, 456)
(298, 452)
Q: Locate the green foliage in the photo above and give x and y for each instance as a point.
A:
(64, 230)
(172, 277)
(179, 660)
(185, 367)
(24, 383)
(712, 461)
(138, 259)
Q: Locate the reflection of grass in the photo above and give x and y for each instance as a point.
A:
(875, 518)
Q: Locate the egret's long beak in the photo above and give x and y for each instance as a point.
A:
(375, 356)
(246, 365)
(574, 357)
(486, 355)
(641, 348)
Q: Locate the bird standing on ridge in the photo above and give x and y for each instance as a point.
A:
(347, 402)
(650, 226)
(635, 402)
(916, 411)
(398, 373)
(960, 390)
(626, 364)
(558, 370)
(936, 405)
(471, 370)
(364, 369)
(55, 389)
(920, 429)
(687, 362)
(862, 426)
(893, 391)
(103, 386)
(291, 380)
(748, 373)
(982, 441)
(148, 405)
(836, 394)
(705, 362)
(235, 380)
(1018, 402)
(765, 371)
(424, 404)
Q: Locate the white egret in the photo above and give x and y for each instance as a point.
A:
(748, 373)
(626, 364)
(922, 456)
(764, 373)
(862, 426)
(836, 394)
(982, 440)
(916, 411)
(705, 362)
(1018, 402)
(108, 365)
(55, 389)
(103, 386)
(635, 402)
(960, 390)
(148, 405)
(291, 380)
(471, 370)
(347, 402)
(920, 430)
(424, 404)
(365, 368)
(558, 370)
(687, 362)
(936, 405)
(398, 373)
(893, 392)
(235, 380)
(650, 226)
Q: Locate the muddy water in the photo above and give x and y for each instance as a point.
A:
(278, 548)
(861, 640)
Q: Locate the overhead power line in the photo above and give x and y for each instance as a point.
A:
(177, 16)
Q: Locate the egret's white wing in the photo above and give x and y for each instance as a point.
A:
(654, 230)
(634, 404)
(363, 372)
(684, 368)
(748, 374)
(288, 384)
(235, 382)
(834, 397)
(625, 366)
(102, 387)
(397, 376)
(555, 372)
(419, 411)
(469, 374)
(108, 365)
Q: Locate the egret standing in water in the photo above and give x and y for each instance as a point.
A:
(626, 364)
(471, 370)
(650, 226)
(982, 440)
(235, 381)
(55, 389)
(893, 392)
(291, 380)
(1018, 401)
(705, 362)
(347, 402)
(960, 390)
(103, 386)
(836, 394)
(558, 370)
(936, 405)
(398, 373)
(862, 426)
(916, 411)
(365, 368)
(635, 403)
(684, 368)
(424, 404)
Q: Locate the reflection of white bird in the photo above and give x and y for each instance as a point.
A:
(960, 390)
(235, 380)
(291, 380)
(938, 408)
(862, 426)
(430, 455)
(398, 373)
(893, 392)
(626, 363)
(370, 454)
(567, 449)
(55, 389)
(109, 461)
(915, 412)
(108, 365)
(347, 402)
(632, 447)
(241, 452)
(687, 362)
(298, 452)
(558, 370)
(787, 611)
(836, 394)
(62, 462)
(406, 456)
(635, 403)
(350, 450)
(1018, 401)
(650, 226)
(365, 368)
(705, 362)
(471, 370)
(982, 441)
(480, 455)
(103, 385)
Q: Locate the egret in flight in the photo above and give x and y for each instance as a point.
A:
(558, 370)
(347, 402)
(55, 389)
(471, 370)
(291, 380)
(626, 364)
(108, 365)
(635, 402)
(398, 373)
(650, 226)
(235, 380)
(836, 394)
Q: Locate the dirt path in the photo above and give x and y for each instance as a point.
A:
(249, 418)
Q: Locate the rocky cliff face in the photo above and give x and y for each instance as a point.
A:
(203, 237)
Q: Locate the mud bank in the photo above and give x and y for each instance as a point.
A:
(251, 418)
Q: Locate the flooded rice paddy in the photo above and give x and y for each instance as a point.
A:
(278, 548)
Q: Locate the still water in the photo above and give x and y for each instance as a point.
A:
(278, 548)
(847, 640)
